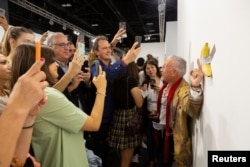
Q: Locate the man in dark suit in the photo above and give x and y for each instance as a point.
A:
(78, 85)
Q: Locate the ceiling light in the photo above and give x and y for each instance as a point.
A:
(51, 22)
(147, 37)
(149, 24)
(76, 32)
(64, 27)
(66, 5)
(94, 25)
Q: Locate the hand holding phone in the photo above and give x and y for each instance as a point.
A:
(138, 39)
(123, 25)
(97, 63)
(85, 64)
(152, 83)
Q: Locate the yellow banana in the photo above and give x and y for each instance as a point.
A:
(206, 66)
(205, 50)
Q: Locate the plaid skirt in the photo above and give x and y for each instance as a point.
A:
(117, 137)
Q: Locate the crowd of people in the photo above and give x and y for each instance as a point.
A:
(54, 109)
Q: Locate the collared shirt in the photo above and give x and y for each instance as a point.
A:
(112, 71)
(161, 125)
(63, 67)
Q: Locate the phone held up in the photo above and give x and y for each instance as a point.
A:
(2, 12)
(85, 64)
(123, 25)
(97, 63)
(152, 83)
(138, 39)
(81, 45)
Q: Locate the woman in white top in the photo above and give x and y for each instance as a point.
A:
(150, 90)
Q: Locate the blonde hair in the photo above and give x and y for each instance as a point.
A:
(92, 57)
(13, 32)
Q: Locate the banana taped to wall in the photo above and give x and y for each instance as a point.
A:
(206, 58)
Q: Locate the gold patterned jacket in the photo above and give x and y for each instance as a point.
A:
(183, 107)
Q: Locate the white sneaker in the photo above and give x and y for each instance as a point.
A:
(143, 145)
(135, 158)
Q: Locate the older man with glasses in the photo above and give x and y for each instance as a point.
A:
(77, 86)
(59, 43)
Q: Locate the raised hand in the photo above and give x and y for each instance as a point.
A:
(28, 92)
(132, 54)
(4, 23)
(117, 37)
(196, 75)
(100, 81)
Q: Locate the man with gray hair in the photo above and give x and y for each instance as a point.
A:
(76, 85)
(177, 102)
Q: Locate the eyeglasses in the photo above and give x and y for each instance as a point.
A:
(62, 44)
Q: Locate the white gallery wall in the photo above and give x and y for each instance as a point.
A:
(225, 119)
(171, 38)
(157, 49)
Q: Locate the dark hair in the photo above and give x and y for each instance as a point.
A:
(15, 33)
(131, 71)
(24, 58)
(140, 61)
(152, 61)
(149, 56)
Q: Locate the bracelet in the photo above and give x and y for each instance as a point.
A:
(196, 88)
(199, 86)
(101, 93)
(28, 127)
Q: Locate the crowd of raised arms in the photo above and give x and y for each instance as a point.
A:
(67, 109)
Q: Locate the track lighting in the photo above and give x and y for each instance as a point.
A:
(51, 22)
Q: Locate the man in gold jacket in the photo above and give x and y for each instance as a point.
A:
(177, 103)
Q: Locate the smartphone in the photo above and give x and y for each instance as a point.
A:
(152, 83)
(138, 39)
(123, 25)
(81, 49)
(97, 63)
(81, 45)
(2, 12)
(85, 64)
(81, 37)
